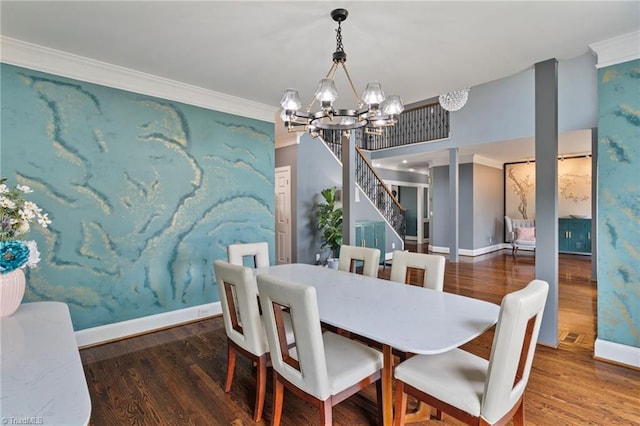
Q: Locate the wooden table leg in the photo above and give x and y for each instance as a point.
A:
(422, 413)
(387, 385)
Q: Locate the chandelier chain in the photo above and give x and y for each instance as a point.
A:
(339, 46)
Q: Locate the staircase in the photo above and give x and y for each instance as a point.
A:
(419, 123)
(371, 185)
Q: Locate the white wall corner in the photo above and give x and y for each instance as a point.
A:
(617, 353)
(130, 328)
(39, 58)
(617, 50)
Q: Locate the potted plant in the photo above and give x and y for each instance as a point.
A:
(330, 224)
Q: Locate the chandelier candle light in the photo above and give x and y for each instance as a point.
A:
(373, 110)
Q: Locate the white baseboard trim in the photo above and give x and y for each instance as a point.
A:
(35, 57)
(123, 329)
(617, 353)
(472, 253)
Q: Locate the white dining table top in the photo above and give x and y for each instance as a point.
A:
(408, 318)
(41, 376)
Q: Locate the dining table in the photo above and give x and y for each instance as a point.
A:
(398, 316)
(42, 380)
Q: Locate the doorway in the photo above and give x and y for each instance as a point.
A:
(283, 214)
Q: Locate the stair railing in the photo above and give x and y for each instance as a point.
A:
(371, 184)
(380, 194)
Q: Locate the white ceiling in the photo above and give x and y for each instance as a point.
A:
(254, 50)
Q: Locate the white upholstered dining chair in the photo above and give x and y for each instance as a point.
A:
(258, 251)
(349, 255)
(470, 388)
(406, 266)
(243, 325)
(324, 368)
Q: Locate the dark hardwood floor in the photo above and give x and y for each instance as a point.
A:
(176, 376)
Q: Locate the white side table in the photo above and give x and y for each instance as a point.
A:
(41, 376)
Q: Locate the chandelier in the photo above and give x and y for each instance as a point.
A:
(373, 111)
(455, 100)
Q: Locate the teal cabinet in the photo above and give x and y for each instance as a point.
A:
(371, 234)
(574, 235)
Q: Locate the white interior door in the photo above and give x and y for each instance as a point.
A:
(283, 215)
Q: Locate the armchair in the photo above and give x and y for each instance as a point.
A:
(520, 233)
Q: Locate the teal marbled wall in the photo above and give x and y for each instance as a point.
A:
(144, 193)
(619, 203)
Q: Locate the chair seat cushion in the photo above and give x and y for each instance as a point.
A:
(521, 243)
(456, 377)
(348, 361)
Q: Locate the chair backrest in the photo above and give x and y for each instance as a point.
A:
(350, 254)
(430, 267)
(259, 251)
(514, 345)
(305, 366)
(508, 224)
(240, 309)
(512, 224)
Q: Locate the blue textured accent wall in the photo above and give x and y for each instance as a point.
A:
(619, 203)
(144, 193)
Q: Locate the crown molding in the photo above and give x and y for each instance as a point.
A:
(40, 58)
(469, 158)
(617, 50)
(489, 162)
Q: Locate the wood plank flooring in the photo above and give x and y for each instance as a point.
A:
(176, 376)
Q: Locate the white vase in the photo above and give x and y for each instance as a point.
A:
(332, 263)
(12, 285)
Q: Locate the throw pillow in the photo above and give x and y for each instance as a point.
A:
(525, 234)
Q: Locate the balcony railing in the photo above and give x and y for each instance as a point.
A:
(421, 124)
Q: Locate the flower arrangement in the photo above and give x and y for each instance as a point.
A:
(16, 216)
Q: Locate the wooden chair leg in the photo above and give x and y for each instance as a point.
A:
(278, 394)
(518, 417)
(326, 413)
(261, 387)
(379, 401)
(400, 405)
(231, 365)
(422, 413)
(438, 414)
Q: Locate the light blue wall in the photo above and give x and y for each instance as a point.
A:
(315, 168)
(503, 109)
(144, 193)
(488, 206)
(619, 203)
(440, 207)
(408, 197)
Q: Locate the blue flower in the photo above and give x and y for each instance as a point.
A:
(13, 255)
